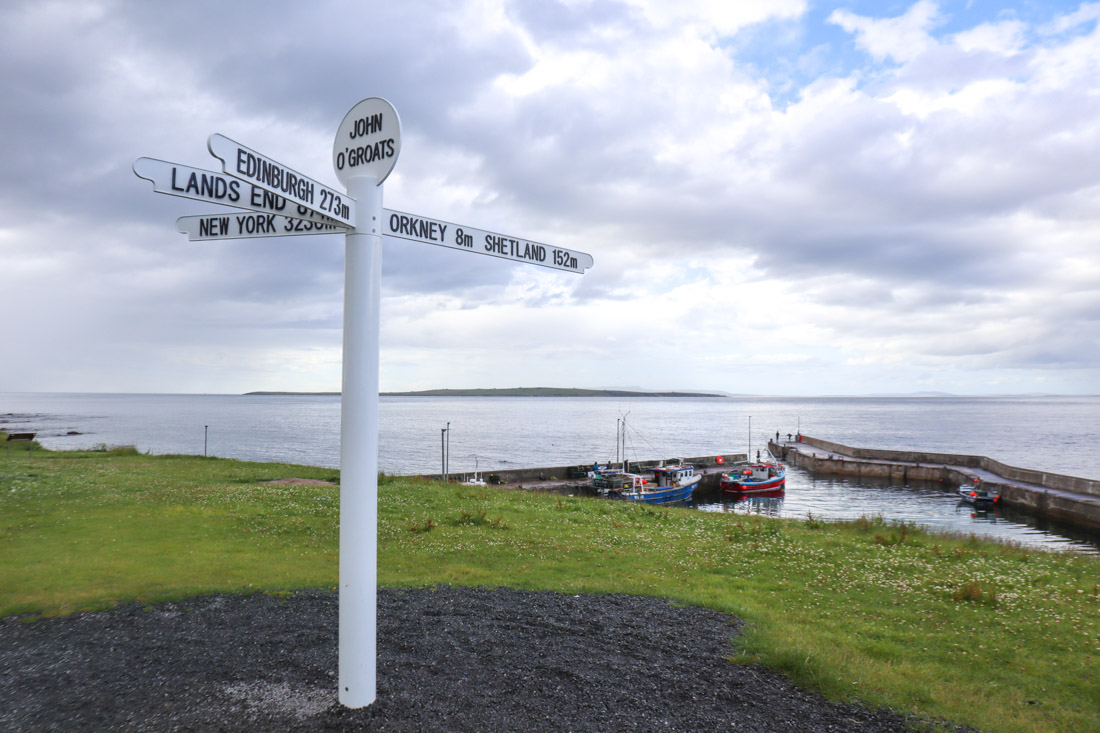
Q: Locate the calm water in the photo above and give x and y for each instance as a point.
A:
(1057, 434)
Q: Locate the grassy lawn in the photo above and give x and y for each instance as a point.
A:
(998, 637)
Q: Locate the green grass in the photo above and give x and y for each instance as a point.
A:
(994, 636)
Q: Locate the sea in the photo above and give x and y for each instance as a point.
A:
(1059, 434)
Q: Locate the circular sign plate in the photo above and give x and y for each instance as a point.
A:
(367, 141)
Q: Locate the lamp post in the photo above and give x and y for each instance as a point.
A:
(444, 445)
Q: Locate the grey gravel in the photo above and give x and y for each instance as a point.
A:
(449, 659)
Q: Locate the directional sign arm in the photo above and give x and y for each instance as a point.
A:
(259, 170)
(246, 225)
(218, 188)
(469, 239)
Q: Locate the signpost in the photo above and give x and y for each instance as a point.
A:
(288, 203)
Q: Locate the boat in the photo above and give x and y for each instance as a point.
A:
(760, 478)
(672, 484)
(979, 494)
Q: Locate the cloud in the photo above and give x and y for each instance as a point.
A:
(900, 39)
(920, 208)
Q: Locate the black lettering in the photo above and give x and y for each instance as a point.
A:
(366, 126)
(500, 245)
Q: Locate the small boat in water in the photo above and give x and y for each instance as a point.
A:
(979, 494)
(762, 477)
(672, 484)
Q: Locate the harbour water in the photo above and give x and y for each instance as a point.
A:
(1057, 434)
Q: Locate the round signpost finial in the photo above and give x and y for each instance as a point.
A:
(367, 141)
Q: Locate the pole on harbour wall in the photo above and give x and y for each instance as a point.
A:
(359, 449)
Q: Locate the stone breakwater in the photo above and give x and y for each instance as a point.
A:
(1065, 498)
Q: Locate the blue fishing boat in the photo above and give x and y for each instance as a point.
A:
(671, 484)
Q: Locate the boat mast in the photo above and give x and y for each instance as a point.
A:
(749, 456)
(624, 443)
(618, 431)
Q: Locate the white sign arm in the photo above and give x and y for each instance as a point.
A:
(259, 170)
(469, 239)
(232, 225)
(218, 188)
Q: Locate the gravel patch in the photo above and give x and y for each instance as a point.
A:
(449, 659)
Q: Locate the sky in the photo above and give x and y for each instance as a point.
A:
(782, 197)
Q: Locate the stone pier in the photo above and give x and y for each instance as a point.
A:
(1065, 498)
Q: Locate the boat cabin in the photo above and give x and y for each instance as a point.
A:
(758, 472)
(672, 475)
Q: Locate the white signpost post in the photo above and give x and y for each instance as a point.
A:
(283, 202)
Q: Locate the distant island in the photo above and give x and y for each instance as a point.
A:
(543, 392)
(292, 394)
(518, 392)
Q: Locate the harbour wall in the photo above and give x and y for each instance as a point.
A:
(1039, 478)
(709, 466)
(1065, 498)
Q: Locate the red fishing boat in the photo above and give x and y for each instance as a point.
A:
(754, 479)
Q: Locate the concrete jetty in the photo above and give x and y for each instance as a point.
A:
(574, 479)
(1065, 498)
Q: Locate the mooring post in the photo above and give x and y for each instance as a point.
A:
(359, 448)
